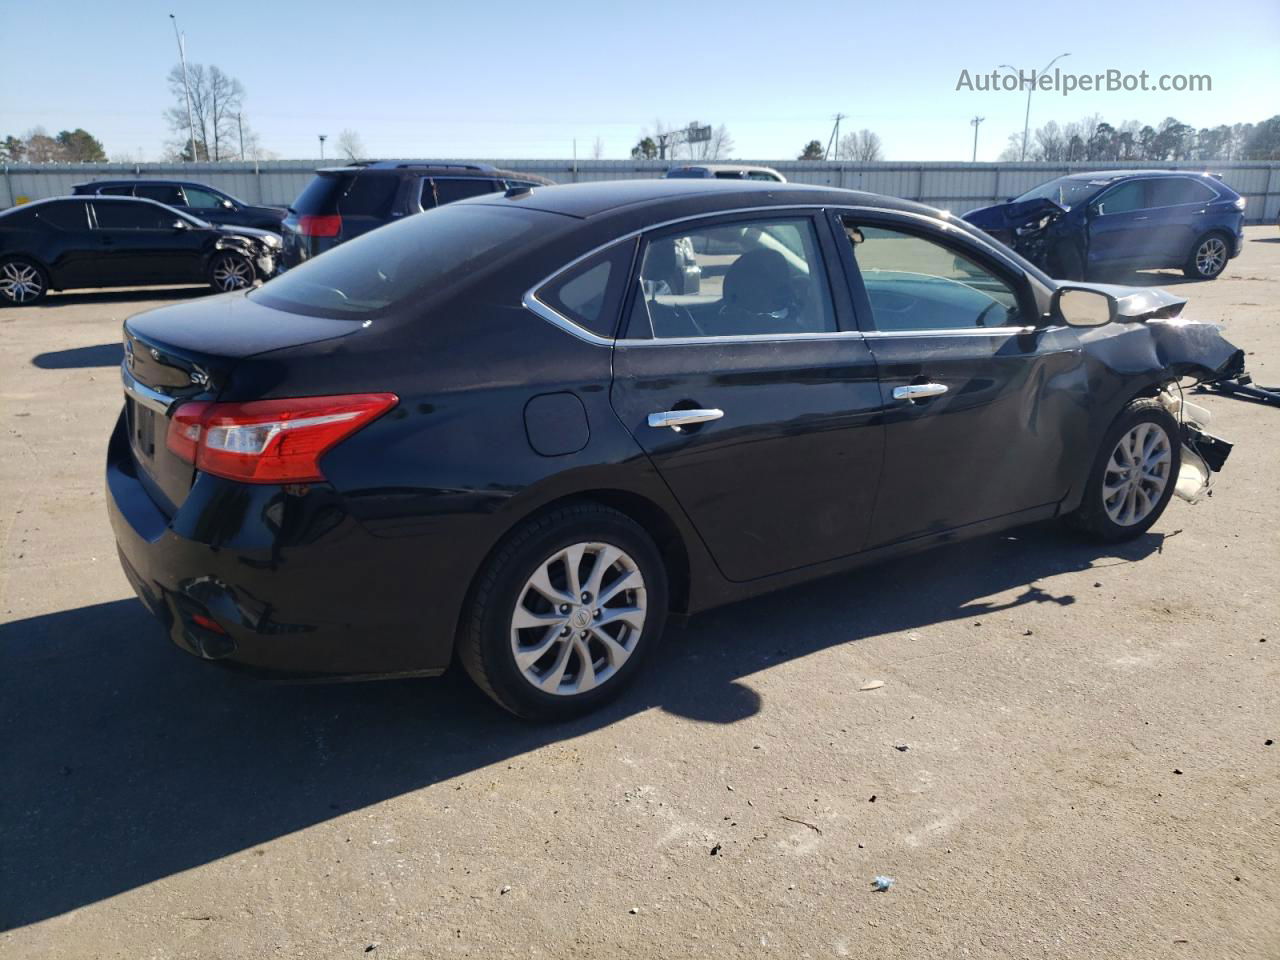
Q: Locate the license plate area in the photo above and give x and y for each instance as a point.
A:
(142, 432)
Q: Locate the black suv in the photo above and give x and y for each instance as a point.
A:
(344, 202)
(197, 199)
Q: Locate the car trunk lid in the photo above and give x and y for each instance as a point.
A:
(186, 353)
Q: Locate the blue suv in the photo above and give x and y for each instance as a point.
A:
(1079, 226)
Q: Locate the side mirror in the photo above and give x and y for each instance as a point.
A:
(1097, 210)
(179, 224)
(227, 204)
(1083, 307)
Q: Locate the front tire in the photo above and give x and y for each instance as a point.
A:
(1067, 262)
(564, 613)
(1208, 257)
(230, 271)
(1133, 475)
(23, 282)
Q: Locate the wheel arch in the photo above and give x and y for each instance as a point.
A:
(655, 520)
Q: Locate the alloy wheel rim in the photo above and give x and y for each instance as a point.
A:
(1211, 257)
(578, 618)
(20, 282)
(231, 273)
(1137, 474)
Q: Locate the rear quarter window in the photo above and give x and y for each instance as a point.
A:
(369, 196)
(320, 197)
(590, 293)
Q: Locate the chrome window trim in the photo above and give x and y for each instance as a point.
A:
(531, 302)
(958, 332)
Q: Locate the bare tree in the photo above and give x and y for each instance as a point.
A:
(216, 102)
(597, 149)
(350, 145)
(225, 96)
(719, 147)
(861, 145)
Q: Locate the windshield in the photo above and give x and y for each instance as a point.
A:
(1066, 192)
(422, 257)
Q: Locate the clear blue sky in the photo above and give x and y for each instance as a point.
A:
(511, 80)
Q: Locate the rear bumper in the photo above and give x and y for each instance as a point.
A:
(281, 583)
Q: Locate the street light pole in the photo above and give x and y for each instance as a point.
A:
(1026, 120)
(975, 122)
(323, 137)
(240, 127)
(182, 55)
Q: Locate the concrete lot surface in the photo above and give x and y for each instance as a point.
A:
(1086, 772)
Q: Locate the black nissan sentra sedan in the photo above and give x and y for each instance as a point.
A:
(501, 430)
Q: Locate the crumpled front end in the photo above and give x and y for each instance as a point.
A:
(1030, 227)
(1152, 344)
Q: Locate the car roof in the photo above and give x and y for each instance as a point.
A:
(439, 167)
(160, 181)
(585, 200)
(1116, 175)
(721, 166)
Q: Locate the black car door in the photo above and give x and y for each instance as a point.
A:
(739, 376)
(140, 242)
(973, 422)
(63, 240)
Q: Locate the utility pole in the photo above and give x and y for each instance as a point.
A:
(975, 122)
(835, 137)
(323, 137)
(182, 55)
(240, 127)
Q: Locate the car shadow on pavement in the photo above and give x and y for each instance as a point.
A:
(99, 355)
(126, 760)
(132, 295)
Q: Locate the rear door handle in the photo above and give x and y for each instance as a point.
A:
(918, 391)
(675, 419)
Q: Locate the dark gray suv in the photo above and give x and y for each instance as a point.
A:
(344, 202)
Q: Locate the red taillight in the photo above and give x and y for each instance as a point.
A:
(313, 225)
(270, 441)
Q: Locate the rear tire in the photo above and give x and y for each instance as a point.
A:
(231, 271)
(23, 282)
(1208, 257)
(1133, 474)
(550, 633)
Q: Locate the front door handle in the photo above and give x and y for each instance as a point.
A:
(919, 391)
(675, 419)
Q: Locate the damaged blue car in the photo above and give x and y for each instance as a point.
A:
(1085, 225)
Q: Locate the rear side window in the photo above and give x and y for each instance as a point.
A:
(165, 193)
(132, 216)
(1175, 190)
(369, 196)
(437, 191)
(408, 263)
(119, 191)
(590, 293)
(67, 215)
(320, 198)
(752, 278)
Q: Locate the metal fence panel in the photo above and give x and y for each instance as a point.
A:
(958, 187)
